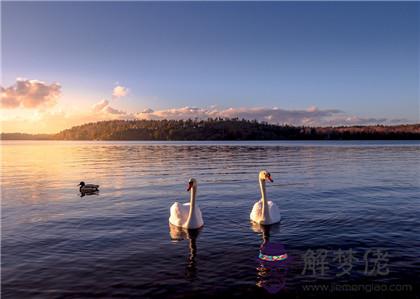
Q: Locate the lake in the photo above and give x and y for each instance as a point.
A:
(350, 215)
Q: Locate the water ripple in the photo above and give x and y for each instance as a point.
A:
(331, 195)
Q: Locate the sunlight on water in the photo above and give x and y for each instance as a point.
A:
(331, 195)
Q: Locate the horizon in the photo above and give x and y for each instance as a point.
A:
(302, 64)
(351, 127)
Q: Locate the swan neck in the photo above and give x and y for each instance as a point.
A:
(192, 202)
(263, 193)
(265, 209)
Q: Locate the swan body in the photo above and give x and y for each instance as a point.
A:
(264, 211)
(86, 188)
(257, 214)
(187, 215)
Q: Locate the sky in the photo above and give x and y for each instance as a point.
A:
(300, 63)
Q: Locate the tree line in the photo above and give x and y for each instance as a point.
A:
(219, 129)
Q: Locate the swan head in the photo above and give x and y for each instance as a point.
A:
(265, 175)
(81, 184)
(192, 183)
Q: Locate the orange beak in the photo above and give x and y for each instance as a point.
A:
(269, 178)
(190, 185)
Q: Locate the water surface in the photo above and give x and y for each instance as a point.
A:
(332, 195)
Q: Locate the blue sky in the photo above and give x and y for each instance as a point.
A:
(360, 58)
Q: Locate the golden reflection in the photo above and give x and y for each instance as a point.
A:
(42, 171)
(37, 168)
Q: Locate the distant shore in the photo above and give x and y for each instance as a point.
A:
(219, 129)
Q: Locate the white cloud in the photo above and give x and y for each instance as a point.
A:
(119, 91)
(30, 94)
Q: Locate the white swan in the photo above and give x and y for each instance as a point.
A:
(265, 212)
(187, 215)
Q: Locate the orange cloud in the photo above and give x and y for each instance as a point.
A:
(30, 94)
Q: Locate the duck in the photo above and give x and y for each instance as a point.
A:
(264, 212)
(187, 215)
(87, 188)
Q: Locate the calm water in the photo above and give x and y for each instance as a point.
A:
(332, 195)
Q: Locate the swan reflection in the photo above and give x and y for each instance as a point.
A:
(272, 260)
(178, 234)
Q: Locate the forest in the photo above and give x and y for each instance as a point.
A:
(220, 129)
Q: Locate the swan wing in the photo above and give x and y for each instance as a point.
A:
(179, 213)
(258, 217)
(256, 212)
(274, 212)
(199, 215)
(197, 219)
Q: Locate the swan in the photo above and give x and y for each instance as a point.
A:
(265, 212)
(187, 215)
(87, 188)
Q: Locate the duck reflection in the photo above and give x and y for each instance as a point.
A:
(178, 234)
(272, 260)
(82, 194)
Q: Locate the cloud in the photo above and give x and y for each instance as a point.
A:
(312, 116)
(30, 94)
(103, 107)
(37, 94)
(312, 109)
(345, 120)
(100, 106)
(148, 110)
(110, 110)
(399, 121)
(9, 98)
(119, 91)
(176, 113)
